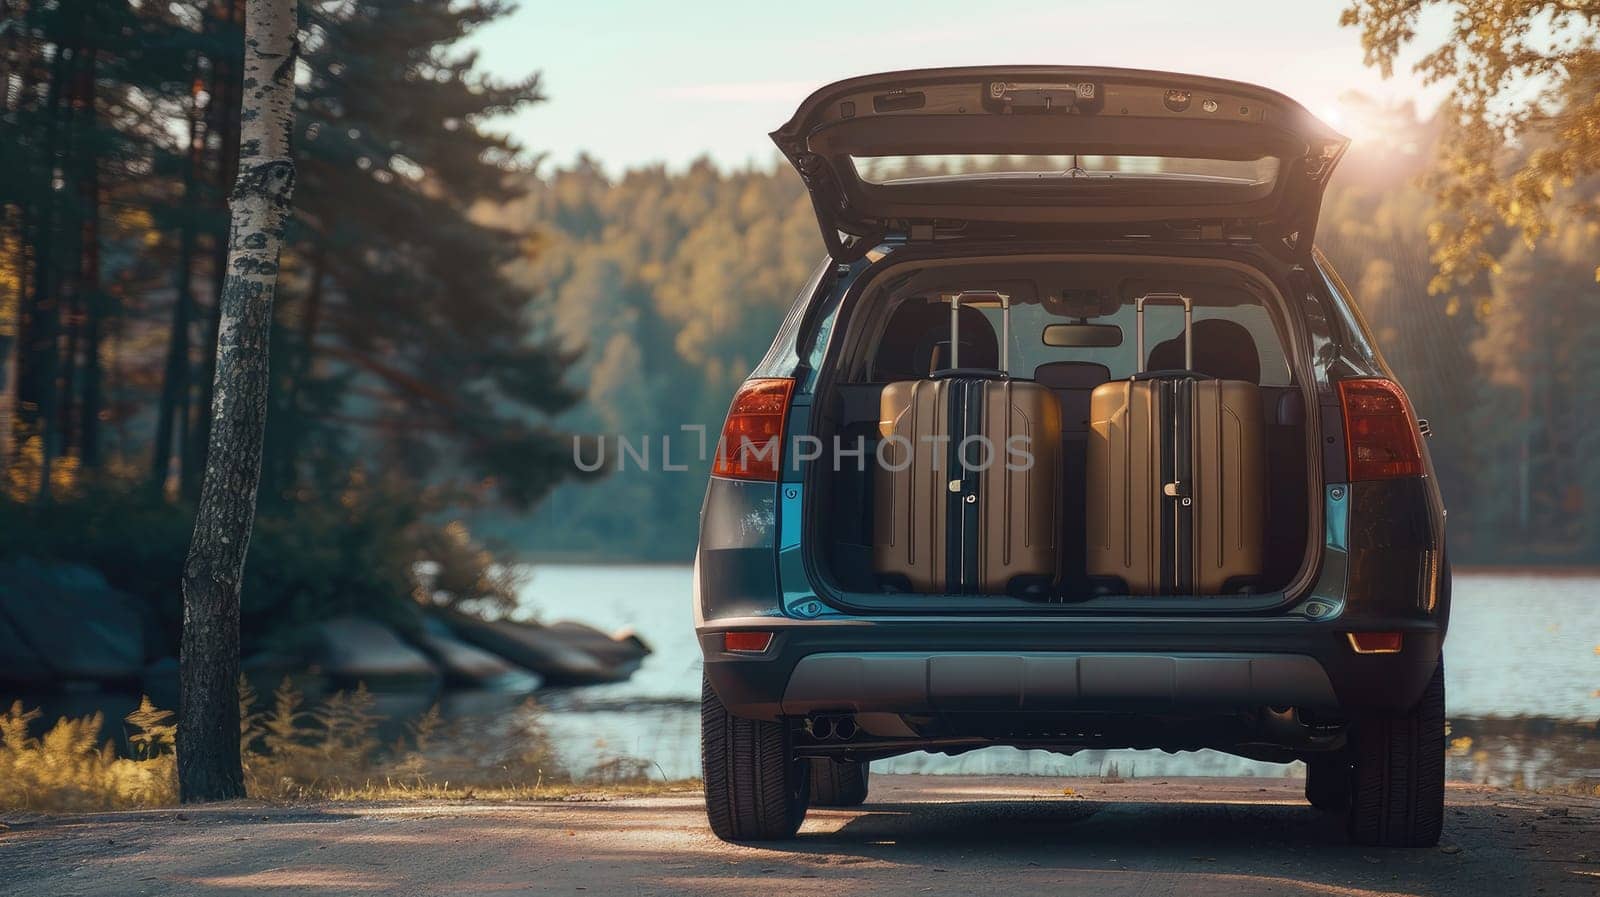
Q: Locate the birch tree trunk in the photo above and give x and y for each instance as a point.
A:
(208, 704)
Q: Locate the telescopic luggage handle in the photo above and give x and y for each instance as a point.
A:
(1005, 324)
(1188, 325)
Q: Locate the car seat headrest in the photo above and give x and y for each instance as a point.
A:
(1071, 374)
(1222, 349)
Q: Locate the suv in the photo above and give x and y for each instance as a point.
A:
(1072, 195)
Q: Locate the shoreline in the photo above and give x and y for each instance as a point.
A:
(1554, 571)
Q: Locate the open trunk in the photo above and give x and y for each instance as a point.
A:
(1070, 334)
(1031, 150)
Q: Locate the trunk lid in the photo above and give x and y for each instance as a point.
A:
(1033, 150)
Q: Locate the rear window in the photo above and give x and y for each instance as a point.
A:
(1162, 323)
(892, 169)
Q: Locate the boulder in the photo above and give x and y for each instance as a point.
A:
(561, 656)
(72, 621)
(624, 650)
(160, 681)
(355, 650)
(469, 666)
(267, 670)
(19, 663)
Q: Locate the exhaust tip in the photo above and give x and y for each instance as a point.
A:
(822, 728)
(833, 728)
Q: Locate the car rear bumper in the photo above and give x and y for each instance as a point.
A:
(1054, 666)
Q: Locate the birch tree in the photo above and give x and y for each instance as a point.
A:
(208, 711)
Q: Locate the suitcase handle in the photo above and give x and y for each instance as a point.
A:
(1188, 325)
(1005, 325)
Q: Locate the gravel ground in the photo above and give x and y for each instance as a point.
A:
(916, 835)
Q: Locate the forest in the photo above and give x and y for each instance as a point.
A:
(412, 378)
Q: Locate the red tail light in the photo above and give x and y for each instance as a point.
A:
(1380, 432)
(747, 642)
(752, 437)
(1376, 642)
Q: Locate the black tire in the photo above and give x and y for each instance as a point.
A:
(756, 789)
(1397, 796)
(1328, 782)
(838, 783)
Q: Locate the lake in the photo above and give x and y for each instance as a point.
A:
(1522, 671)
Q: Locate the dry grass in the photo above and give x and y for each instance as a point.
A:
(292, 752)
(65, 770)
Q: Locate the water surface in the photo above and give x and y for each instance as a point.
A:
(1522, 669)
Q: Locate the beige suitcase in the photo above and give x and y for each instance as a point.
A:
(984, 521)
(1176, 478)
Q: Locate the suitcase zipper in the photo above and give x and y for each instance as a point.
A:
(1182, 477)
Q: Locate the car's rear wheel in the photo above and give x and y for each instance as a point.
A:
(756, 788)
(838, 783)
(1397, 795)
(1328, 782)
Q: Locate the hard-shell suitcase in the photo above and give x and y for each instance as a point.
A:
(966, 489)
(1176, 477)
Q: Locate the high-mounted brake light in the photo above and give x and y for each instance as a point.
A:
(752, 437)
(1380, 432)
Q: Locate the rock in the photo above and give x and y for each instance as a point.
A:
(358, 650)
(625, 649)
(160, 681)
(19, 663)
(561, 656)
(469, 666)
(72, 620)
(266, 670)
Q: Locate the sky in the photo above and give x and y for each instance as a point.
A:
(638, 83)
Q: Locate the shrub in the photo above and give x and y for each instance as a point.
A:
(369, 550)
(66, 771)
(288, 751)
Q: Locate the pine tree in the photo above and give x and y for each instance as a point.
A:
(404, 332)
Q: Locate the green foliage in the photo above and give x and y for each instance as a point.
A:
(369, 550)
(405, 342)
(403, 355)
(673, 283)
(1534, 420)
(1523, 116)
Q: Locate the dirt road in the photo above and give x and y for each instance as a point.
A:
(918, 835)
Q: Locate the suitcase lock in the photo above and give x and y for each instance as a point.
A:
(1176, 490)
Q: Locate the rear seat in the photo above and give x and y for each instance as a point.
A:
(1072, 382)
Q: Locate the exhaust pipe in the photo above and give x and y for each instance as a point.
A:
(833, 728)
(822, 728)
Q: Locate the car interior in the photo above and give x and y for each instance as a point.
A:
(1072, 328)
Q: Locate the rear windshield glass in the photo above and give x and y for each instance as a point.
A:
(1075, 318)
(1162, 323)
(888, 169)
